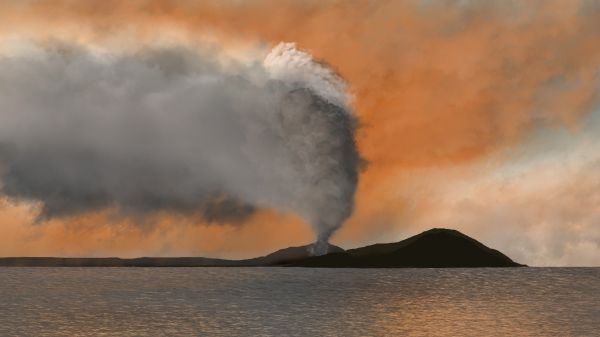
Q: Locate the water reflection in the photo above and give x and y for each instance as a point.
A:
(299, 302)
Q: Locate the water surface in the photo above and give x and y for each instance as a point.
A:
(299, 302)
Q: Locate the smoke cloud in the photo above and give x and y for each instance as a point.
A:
(177, 130)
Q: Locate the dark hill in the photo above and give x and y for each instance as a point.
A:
(287, 255)
(435, 248)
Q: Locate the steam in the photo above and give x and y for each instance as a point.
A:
(178, 130)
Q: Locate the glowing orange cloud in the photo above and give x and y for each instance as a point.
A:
(103, 234)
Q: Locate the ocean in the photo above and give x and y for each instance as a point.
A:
(299, 302)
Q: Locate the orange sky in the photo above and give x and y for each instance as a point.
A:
(437, 85)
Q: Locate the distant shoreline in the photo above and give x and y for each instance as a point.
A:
(435, 248)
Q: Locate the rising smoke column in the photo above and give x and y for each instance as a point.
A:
(177, 130)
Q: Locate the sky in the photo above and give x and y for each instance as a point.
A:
(481, 116)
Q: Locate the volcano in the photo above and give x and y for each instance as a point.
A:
(435, 248)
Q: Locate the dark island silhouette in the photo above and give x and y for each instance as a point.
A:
(435, 248)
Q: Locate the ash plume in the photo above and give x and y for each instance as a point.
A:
(177, 130)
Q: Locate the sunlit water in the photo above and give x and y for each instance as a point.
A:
(299, 302)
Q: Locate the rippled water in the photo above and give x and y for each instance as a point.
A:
(299, 302)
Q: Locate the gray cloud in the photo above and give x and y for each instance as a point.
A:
(173, 129)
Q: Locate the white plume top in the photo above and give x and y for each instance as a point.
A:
(287, 63)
